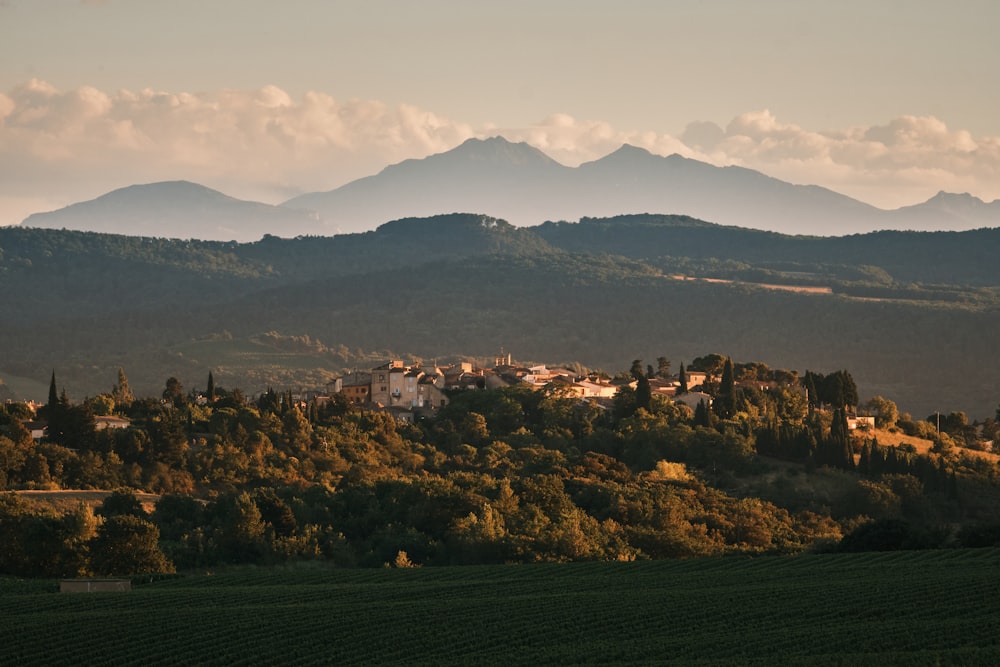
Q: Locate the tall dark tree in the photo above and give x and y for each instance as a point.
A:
(122, 501)
(703, 415)
(59, 421)
(725, 402)
(662, 367)
(636, 369)
(275, 511)
(269, 402)
(53, 392)
(210, 391)
(643, 393)
(682, 377)
(812, 393)
(174, 392)
(79, 427)
(839, 451)
(837, 389)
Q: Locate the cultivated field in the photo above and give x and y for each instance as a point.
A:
(908, 608)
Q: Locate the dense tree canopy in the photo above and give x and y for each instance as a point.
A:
(497, 475)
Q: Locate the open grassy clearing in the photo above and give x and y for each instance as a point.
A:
(64, 500)
(913, 608)
(923, 446)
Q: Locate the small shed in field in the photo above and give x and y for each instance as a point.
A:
(95, 585)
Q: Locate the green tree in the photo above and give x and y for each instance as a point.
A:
(122, 393)
(241, 530)
(210, 390)
(127, 545)
(102, 404)
(122, 501)
(885, 411)
(710, 363)
(683, 379)
(276, 512)
(662, 368)
(296, 431)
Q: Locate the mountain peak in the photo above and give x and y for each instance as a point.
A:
(164, 192)
(179, 209)
(964, 198)
(629, 149)
(498, 149)
(627, 155)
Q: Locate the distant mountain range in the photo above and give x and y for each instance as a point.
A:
(179, 209)
(518, 183)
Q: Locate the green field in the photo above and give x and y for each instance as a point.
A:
(907, 608)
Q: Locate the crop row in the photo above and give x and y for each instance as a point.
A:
(608, 613)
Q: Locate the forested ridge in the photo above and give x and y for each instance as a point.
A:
(912, 313)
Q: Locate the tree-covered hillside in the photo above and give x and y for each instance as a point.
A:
(912, 313)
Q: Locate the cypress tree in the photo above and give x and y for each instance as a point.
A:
(876, 462)
(848, 389)
(643, 393)
(682, 376)
(702, 415)
(725, 402)
(53, 394)
(840, 453)
(210, 391)
(811, 394)
(865, 462)
(122, 393)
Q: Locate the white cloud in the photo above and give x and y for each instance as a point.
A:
(902, 162)
(58, 147)
(66, 146)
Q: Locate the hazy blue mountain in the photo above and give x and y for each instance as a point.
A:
(511, 181)
(632, 180)
(520, 184)
(949, 211)
(179, 209)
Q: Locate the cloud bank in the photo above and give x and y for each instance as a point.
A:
(58, 147)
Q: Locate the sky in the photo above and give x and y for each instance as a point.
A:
(887, 101)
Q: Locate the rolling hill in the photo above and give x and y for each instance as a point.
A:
(912, 315)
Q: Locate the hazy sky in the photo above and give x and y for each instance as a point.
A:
(887, 101)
